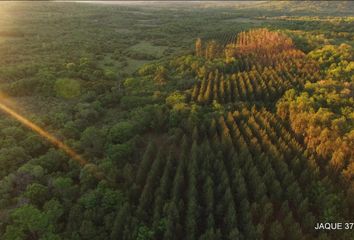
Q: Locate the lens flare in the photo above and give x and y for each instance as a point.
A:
(52, 139)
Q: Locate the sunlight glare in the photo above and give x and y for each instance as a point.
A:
(4, 106)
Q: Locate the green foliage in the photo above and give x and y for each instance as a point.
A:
(11, 157)
(160, 77)
(121, 132)
(336, 62)
(144, 233)
(29, 222)
(54, 210)
(177, 145)
(33, 170)
(67, 88)
(323, 113)
(130, 102)
(92, 141)
(120, 153)
(37, 193)
(175, 98)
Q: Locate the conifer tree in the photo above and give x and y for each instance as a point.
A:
(198, 47)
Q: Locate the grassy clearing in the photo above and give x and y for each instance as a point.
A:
(108, 63)
(134, 64)
(147, 47)
(244, 20)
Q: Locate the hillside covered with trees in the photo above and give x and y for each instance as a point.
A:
(242, 132)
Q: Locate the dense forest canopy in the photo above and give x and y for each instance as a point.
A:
(176, 121)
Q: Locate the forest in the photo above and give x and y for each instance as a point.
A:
(171, 121)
